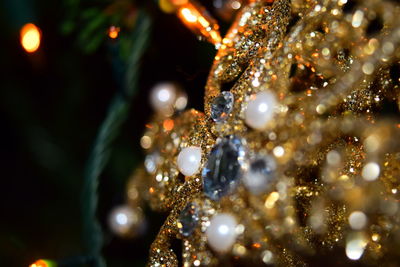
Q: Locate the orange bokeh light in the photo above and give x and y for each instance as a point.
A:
(197, 20)
(168, 125)
(39, 263)
(188, 15)
(113, 32)
(30, 37)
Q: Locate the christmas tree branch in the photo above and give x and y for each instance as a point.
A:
(109, 130)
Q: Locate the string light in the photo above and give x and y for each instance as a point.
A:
(196, 18)
(30, 37)
(43, 263)
(187, 14)
(113, 32)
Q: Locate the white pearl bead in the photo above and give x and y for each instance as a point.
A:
(260, 110)
(221, 233)
(163, 97)
(189, 160)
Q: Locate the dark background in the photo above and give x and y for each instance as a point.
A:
(52, 103)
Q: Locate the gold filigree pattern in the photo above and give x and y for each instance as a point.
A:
(333, 66)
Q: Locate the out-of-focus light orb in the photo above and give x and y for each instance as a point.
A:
(43, 263)
(163, 97)
(357, 220)
(124, 220)
(113, 32)
(236, 5)
(146, 141)
(271, 199)
(30, 37)
(278, 151)
(333, 158)
(371, 171)
(267, 257)
(355, 246)
(181, 102)
(188, 15)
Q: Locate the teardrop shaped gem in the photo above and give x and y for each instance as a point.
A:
(224, 167)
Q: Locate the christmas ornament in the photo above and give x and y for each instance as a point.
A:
(297, 163)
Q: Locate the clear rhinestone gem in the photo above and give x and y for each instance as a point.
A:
(222, 106)
(188, 219)
(223, 168)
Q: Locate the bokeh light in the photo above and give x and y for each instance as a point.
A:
(30, 37)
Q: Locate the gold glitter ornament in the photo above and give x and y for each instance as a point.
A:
(331, 66)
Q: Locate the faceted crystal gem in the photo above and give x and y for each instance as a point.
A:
(222, 106)
(188, 219)
(260, 174)
(223, 168)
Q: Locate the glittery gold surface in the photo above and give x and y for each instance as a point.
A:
(334, 68)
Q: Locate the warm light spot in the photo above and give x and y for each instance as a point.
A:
(146, 142)
(358, 17)
(168, 124)
(271, 199)
(178, 2)
(223, 229)
(256, 245)
(188, 15)
(267, 257)
(30, 37)
(200, 23)
(375, 237)
(179, 224)
(355, 245)
(42, 263)
(315, 54)
(278, 151)
(368, 68)
(203, 22)
(151, 190)
(216, 38)
(113, 32)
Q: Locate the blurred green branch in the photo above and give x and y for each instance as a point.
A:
(109, 130)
